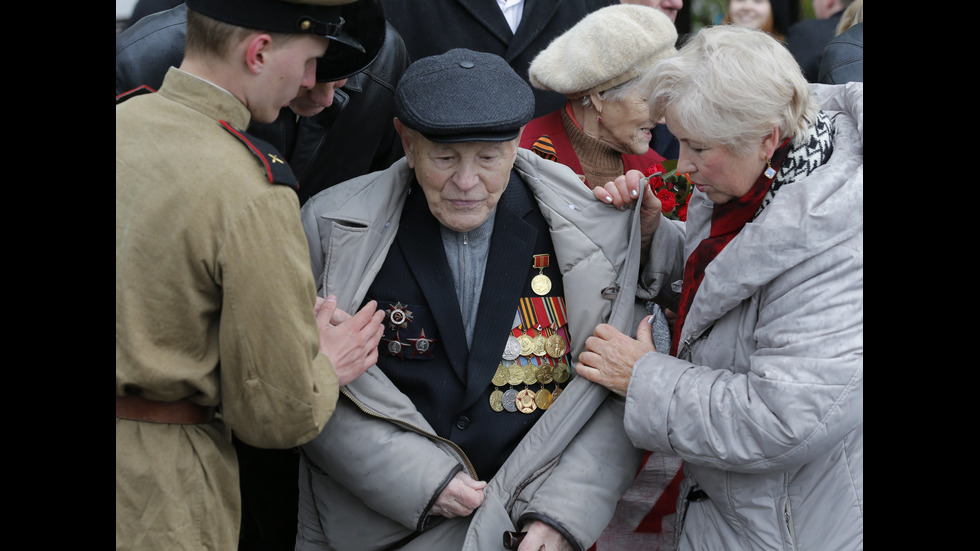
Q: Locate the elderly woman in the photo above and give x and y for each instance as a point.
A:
(764, 399)
(605, 128)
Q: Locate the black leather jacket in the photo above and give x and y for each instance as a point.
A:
(843, 58)
(352, 137)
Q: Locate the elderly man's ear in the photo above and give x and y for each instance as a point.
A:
(408, 137)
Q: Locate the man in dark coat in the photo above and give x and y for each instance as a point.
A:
(807, 39)
(348, 138)
(436, 26)
(843, 58)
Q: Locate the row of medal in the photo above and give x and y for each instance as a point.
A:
(535, 353)
(526, 400)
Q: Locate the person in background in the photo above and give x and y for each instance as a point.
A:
(807, 39)
(843, 58)
(333, 131)
(218, 327)
(493, 265)
(144, 8)
(754, 14)
(516, 30)
(762, 391)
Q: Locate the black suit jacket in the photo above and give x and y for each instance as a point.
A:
(434, 26)
(450, 384)
(807, 39)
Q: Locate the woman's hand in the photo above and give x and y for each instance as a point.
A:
(624, 191)
(609, 355)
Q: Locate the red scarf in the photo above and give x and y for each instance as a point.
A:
(726, 221)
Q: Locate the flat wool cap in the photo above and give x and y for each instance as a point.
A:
(463, 96)
(606, 48)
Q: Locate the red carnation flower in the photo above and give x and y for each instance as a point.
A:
(667, 200)
(656, 182)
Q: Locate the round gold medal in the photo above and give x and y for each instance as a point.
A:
(525, 401)
(561, 372)
(555, 346)
(542, 398)
(515, 374)
(527, 345)
(497, 400)
(539, 343)
(545, 373)
(501, 376)
(541, 284)
(530, 374)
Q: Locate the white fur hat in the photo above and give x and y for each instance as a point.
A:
(606, 48)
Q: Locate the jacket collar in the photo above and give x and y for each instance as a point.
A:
(804, 220)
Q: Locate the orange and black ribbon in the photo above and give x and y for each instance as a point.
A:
(544, 148)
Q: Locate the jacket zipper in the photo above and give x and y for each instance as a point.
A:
(684, 352)
(466, 460)
(788, 519)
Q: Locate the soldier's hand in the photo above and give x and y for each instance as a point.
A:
(351, 342)
(460, 497)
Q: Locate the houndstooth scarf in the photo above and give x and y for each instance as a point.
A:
(804, 158)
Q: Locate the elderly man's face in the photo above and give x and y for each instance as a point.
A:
(462, 182)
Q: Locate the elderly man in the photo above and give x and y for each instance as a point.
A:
(492, 266)
(218, 328)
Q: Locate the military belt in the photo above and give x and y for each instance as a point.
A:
(182, 412)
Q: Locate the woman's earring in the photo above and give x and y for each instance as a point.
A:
(598, 118)
(770, 172)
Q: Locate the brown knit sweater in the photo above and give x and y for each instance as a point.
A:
(600, 162)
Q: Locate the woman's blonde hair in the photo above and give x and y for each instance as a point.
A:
(730, 85)
(853, 15)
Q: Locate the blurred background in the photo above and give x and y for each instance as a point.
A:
(694, 15)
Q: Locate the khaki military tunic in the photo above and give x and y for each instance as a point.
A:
(214, 303)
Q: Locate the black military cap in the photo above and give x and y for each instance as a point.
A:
(356, 28)
(463, 96)
(317, 17)
(364, 21)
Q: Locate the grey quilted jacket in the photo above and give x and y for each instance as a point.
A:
(764, 402)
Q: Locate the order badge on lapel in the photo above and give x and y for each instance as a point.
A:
(398, 315)
(402, 324)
